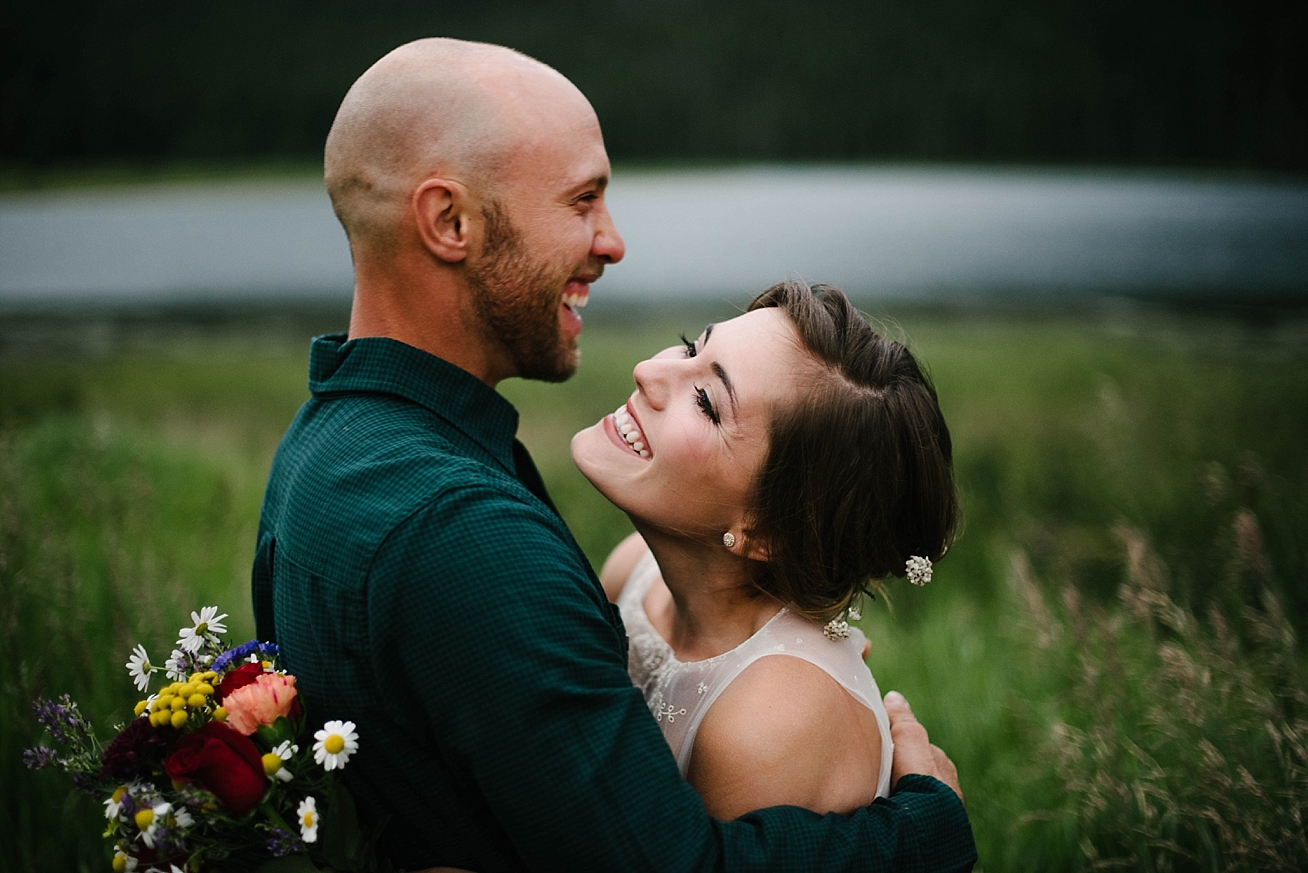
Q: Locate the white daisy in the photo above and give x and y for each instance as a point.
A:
(336, 742)
(175, 666)
(308, 816)
(157, 819)
(181, 818)
(205, 624)
(139, 666)
(275, 761)
(123, 861)
(114, 804)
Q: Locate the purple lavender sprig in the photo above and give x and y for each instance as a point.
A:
(283, 843)
(70, 729)
(39, 757)
(63, 720)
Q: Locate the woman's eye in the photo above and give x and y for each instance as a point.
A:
(706, 405)
(690, 347)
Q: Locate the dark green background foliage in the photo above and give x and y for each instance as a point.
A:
(1212, 82)
(1112, 653)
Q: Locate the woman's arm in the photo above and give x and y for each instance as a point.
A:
(784, 733)
(621, 561)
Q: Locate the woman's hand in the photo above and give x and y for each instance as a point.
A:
(913, 750)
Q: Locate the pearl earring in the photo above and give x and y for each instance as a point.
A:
(728, 539)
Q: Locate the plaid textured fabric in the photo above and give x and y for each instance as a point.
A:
(419, 587)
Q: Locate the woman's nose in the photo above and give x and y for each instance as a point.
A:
(652, 381)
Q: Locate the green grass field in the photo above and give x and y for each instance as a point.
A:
(1112, 653)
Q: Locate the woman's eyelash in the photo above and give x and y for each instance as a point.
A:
(706, 405)
(701, 396)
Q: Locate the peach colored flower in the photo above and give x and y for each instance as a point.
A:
(261, 702)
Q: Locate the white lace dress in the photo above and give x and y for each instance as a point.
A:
(679, 693)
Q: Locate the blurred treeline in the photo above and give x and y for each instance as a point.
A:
(1154, 82)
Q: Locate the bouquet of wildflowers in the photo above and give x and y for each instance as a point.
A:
(218, 770)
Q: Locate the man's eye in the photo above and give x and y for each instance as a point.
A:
(690, 347)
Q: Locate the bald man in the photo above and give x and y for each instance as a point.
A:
(409, 561)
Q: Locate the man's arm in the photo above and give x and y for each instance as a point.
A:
(540, 714)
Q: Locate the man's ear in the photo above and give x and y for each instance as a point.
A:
(441, 210)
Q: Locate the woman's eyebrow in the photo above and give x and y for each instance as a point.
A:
(731, 391)
(721, 373)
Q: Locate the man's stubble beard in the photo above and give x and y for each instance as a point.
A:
(517, 300)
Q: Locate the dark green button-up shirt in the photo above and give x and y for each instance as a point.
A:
(420, 585)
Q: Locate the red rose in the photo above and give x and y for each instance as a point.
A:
(223, 762)
(238, 678)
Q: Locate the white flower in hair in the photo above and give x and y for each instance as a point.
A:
(919, 570)
(836, 629)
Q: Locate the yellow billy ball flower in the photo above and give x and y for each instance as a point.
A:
(271, 764)
(186, 690)
(179, 719)
(220, 714)
(144, 818)
(141, 706)
(196, 700)
(163, 701)
(204, 688)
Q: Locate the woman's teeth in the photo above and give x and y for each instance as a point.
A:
(627, 427)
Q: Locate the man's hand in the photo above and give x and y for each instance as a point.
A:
(913, 750)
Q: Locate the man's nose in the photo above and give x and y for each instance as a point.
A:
(607, 244)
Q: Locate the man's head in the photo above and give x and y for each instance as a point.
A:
(470, 181)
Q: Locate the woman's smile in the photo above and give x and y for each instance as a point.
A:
(623, 428)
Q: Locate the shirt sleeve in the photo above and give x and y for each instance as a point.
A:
(485, 608)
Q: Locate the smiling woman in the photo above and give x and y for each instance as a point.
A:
(702, 422)
(773, 468)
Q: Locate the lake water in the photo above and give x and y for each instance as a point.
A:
(719, 233)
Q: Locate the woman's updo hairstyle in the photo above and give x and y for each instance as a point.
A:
(859, 473)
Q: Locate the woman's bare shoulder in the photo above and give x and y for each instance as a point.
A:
(785, 733)
(621, 561)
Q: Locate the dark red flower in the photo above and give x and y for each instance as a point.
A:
(223, 762)
(137, 749)
(239, 678)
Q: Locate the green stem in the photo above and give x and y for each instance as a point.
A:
(276, 817)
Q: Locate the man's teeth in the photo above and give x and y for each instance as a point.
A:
(576, 301)
(622, 421)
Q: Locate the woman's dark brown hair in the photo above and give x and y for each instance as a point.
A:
(859, 474)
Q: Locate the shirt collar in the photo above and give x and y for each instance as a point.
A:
(380, 364)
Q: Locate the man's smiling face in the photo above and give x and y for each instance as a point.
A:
(548, 235)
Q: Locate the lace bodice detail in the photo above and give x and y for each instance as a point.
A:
(679, 693)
